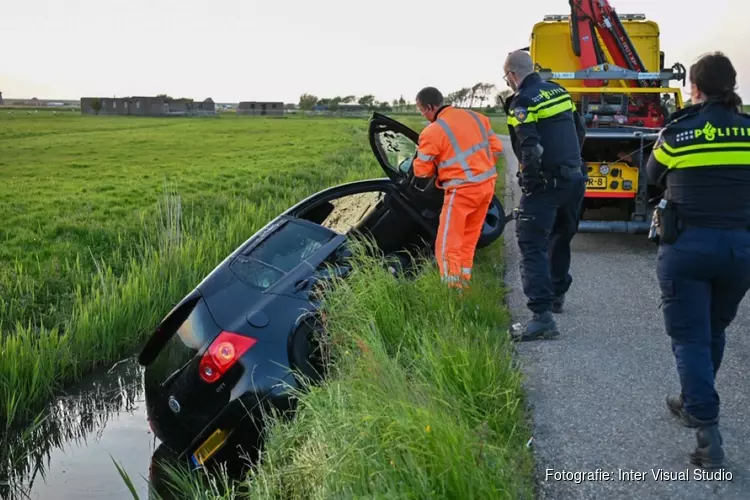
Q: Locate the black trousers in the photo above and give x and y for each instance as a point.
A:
(547, 221)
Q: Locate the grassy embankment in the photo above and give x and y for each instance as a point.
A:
(425, 399)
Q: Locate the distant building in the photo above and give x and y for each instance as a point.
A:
(146, 106)
(257, 108)
(352, 109)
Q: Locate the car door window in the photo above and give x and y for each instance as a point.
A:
(397, 150)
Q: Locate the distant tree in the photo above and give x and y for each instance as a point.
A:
(384, 106)
(307, 102)
(501, 96)
(333, 104)
(349, 99)
(459, 97)
(367, 101)
(485, 89)
(96, 105)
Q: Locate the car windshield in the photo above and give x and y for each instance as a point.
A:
(279, 253)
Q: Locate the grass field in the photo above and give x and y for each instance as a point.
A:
(109, 221)
(92, 252)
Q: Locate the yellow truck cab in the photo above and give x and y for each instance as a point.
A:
(615, 149)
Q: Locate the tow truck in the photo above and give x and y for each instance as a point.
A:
(613, 68)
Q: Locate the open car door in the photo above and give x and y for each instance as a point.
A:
(395, 147)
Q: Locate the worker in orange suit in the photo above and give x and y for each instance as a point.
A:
(459, 148)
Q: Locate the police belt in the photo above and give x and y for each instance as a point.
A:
(561, 172)
(666, 225)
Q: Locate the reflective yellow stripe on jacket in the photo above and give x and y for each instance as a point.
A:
(543, 110)
(704, 155)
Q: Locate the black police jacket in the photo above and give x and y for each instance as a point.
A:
(542, 112)
(702, 158)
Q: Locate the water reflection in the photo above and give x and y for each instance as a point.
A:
(69, 453)
(69, 423)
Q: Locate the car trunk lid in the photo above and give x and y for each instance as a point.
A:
(180, 402)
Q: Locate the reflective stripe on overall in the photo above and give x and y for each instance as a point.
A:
(471, 225)
(461, 156)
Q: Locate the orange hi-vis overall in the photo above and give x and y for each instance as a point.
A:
(460, 148)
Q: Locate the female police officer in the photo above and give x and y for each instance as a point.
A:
(702, 157)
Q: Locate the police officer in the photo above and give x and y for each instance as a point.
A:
(702, 158)
(546, 133)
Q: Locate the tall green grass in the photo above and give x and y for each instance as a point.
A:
(425, 402)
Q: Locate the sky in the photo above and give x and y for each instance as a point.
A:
(233, 50)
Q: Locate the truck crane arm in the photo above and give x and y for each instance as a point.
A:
(590, 16)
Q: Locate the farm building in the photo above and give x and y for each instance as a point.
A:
(146, 106)
(257, 108)
(351, 109)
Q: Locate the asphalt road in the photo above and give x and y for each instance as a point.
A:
(597, 393)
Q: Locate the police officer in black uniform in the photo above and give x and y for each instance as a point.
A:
(702, 158)
(547, 133)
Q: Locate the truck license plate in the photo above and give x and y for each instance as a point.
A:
(597, 182)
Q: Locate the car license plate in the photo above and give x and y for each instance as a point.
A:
(209, 447)
(597, 182)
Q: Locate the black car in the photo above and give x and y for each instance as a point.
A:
(226, 353)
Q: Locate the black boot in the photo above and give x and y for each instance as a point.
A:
(677, 408)
(708, 453)
(541, 326)
(557, 304)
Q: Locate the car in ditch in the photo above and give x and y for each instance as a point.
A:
(233, 347)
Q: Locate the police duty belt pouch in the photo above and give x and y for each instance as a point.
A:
(665, 225)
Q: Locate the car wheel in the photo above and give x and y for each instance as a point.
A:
(494, 224)
(307, 350)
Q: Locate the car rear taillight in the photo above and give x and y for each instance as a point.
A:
(222, 354)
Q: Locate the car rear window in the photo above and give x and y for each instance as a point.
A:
(279, 253)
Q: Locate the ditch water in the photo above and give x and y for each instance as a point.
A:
(70, 454)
